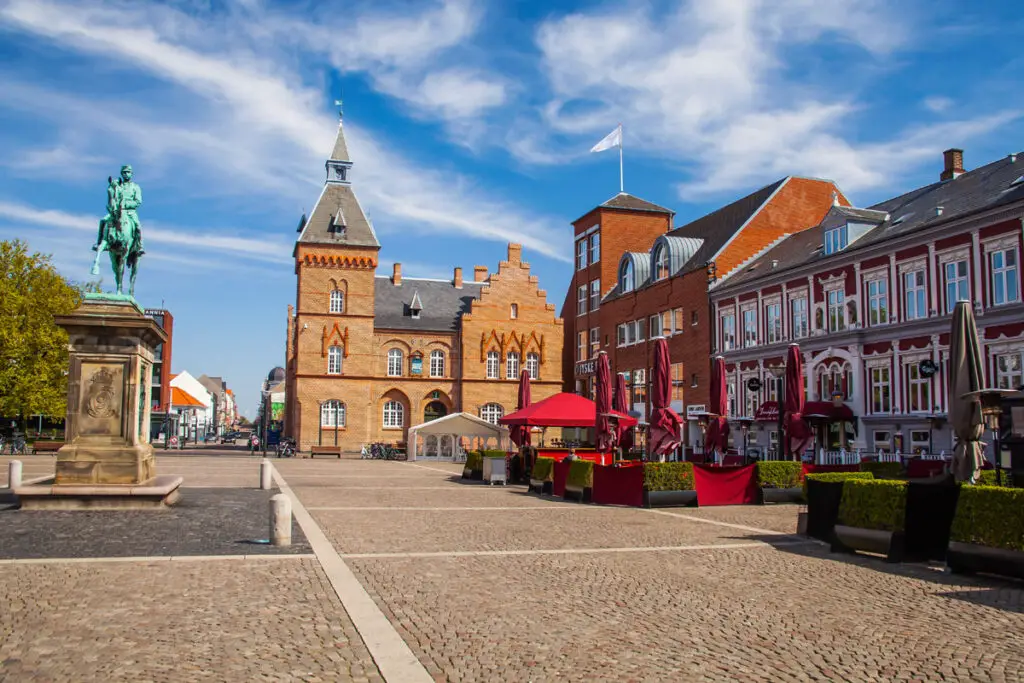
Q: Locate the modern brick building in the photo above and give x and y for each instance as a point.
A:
(868, 293)
(370, 355)
(637, 278)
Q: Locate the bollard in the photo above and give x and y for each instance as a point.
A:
(266, 474)
(14, 474)
(280, 520)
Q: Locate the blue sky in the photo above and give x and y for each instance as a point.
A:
(469, 124)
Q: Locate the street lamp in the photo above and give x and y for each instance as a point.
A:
(991, 401)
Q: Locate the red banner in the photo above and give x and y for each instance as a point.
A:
(725, 485)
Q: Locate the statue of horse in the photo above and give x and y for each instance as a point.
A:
(120, 232)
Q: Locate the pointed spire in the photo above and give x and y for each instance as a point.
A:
(340, 152)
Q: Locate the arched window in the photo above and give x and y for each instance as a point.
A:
(493, 363)
(394, 415)
(395, 363)
(627, 276)
(512, 365)
(492, 412)
(334, 360)
(332, 414)
(661, 269)
(437, 363)
(533, 365)
(337, 301)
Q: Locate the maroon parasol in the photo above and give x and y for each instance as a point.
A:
(717, 436)
(620, 403)
(664, 422)
(798, 434)
(520, 434)
(606, 435)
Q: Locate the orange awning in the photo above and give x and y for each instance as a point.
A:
(183, 399)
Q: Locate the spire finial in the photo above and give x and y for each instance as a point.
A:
(337, 103)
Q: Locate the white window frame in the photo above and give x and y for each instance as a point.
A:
(836, 309)
(836, 239)
(396, 359)
(749, 327)
(620, 335)
(492, 412)
(393, 416)
(581, 300)
(638, 387)
(957, 287)
(334, 360)
(1007, 275)
(878, 301)
(773, 322)
(915, 292)
(728, 331)
(595, 341)
(595, 247)
(627, 276)
(513, 311)
(801, 317)
(437, 363)
(493, 364)
(533, 365)
(1007, 376)
(655, 326)
(332, 414)
(581, 254)
(581, 345)
(880, 376)
(639, 328)
(661, 263)
(919, 388)
(337, 301)
(512, 365)
(595, 294)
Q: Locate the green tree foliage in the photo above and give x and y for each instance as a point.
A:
(33, 350)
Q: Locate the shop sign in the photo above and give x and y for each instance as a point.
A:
(417, 365)
(754, 384)
(694, 410)
(586, 367)
(927, 368)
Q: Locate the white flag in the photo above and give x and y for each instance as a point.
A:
(613, 139)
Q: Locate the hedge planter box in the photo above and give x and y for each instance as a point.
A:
(619, 485)
(658, 499)
(824, 493)
(872, 516)
(970, 558)
(669, 484)
(851, 538)
(540, 486)
(779, 481)
(988, 532)
(542, 475)
(582, 495)
(788, 495)
(476, 475)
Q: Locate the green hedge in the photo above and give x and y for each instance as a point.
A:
(883, 470)
(877, 504)
(833, 477)
(474, 461)
(493, 453)
(581, 474)
(779, 474)
(543, 469)
(992, 516)
(989, 478)
(668, 476)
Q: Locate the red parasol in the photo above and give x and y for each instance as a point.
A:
(620, 402)
(798, 434)
(717, 435)
(664, 422)
(605, 433)
(520, 434)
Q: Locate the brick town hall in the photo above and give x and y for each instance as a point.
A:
(369, 355)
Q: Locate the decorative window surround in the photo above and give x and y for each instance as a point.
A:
(875, 273)
(911, 357)
(832, 282)
(919, 263)
(1006, 241)
(880, 361)
(960, 253)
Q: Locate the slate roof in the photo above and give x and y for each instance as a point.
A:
(986, 187)
(442, 304)
(627, 201)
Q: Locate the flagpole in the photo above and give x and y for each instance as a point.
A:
(622, 185)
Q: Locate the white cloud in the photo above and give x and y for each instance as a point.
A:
(937, 103)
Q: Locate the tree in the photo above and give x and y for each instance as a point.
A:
(33, 349)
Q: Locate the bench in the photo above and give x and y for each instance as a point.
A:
(46, 446)
(325, 450)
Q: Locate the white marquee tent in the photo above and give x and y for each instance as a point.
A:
(443, 438)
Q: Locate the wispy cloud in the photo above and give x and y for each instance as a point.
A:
(937, 103)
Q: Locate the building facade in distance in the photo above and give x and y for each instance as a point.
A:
(370, 355)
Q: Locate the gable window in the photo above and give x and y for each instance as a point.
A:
(728, 331)
(655, 326)
(533, 365)
(581, 345)
(878, 302)
(595, 341)
(581, 254)
(627, 276)
(1004, 276)
(437, 363)
(800, 317)
(835, 240)
(836, 310)
(395, 363)
(915, 303)
(332, 414)
(595, 294)
(581, 300)
(919, 390)
(773, 323)
(512, 365)
(661, 263)
(595, 247)
(493, 363)
(492, 412)
(337, 301)
(956, 284)
(513, 311)
(394, 415)
(1009, 374)
(749, 327)
(334, 360)
(880, 390)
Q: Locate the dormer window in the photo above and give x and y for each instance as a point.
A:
(416, 306)
(836, 240)
(661, 268)
(627, 276)
(337, 225)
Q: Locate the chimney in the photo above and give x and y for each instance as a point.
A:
(479, 273)
(515, 253)
(396, 275)
(458, 278)
(954, 164)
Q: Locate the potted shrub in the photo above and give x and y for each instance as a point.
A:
(823, 493)
(779, 481)
(883, 470)
(988, 532)
(579, 484)
(668, 483)
(543, 475)
(495, 466)
(872, 517)
(474, 467)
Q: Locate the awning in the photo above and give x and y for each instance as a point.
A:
(767, 412)
(562, 410)
(183, 399)
(829, 411)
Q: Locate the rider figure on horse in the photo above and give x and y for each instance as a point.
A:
(120, 230)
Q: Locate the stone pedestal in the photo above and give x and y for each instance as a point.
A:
(107, 454)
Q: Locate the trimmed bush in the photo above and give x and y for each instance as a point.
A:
(989, 478)
(833, 477)
(778, 474)
(543, 469)
(668, 476)
(879, 504)
(992, 516)
(493, 453)
(581, 474)
(883, 470)
(474, 461)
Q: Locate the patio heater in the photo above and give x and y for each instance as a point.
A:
(991, 409)
(703, 418)
(745, 423)
(935, 421)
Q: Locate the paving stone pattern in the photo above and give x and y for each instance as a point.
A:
(225, 620)
(222, 521)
